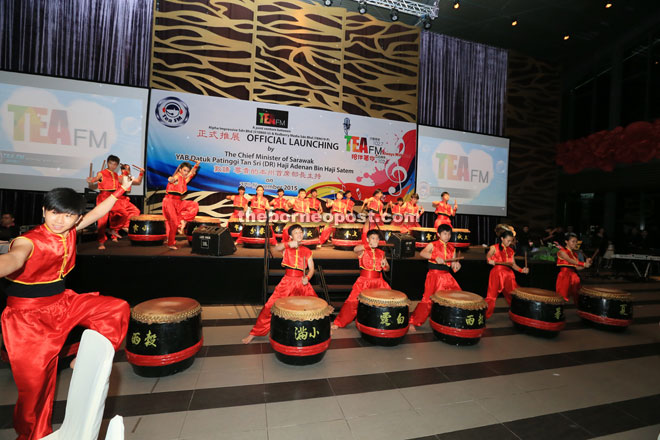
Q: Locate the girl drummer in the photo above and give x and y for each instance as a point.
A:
(568, 280)
(442, 262)
(296, 259)
(372, 263)
(502, 278)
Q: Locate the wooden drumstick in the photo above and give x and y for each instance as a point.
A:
(451, 260)
(91, 170)
(103, 166)
(503, 263)
(525, 259)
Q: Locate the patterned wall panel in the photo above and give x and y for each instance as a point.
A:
(288, 52)
(532, 123)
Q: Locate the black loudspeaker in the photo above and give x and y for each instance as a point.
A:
(212, 240)
(404, 245)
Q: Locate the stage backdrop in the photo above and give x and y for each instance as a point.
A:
(51, 129)
(250, 143)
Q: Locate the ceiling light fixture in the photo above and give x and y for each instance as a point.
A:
(362, 7)
(457, 4)
(394, 15)
(566, 37)
(514, 22)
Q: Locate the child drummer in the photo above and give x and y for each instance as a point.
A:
(108, 182)
(178, 212)
(299, 269)
(444, 211)
(123, 210)
(372, 263)
(41, 311)
(439, 254)
(240, 204)
(568, 262)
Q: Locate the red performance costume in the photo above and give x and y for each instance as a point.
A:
(299, 205)
(338, 207)
(370, 278)
(445, 212)
(410, 209)
(398, 211)
(439, 277)
(568, 280)
(120, 216)
(39, 315)
(314, 204)
(240, 205)
(375, 207)
(108, 183)
(279, 204)
(175, 209)
(259, 205)
(295, 263)
(501, 278)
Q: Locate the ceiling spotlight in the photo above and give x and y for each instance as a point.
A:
(608, 5)
(394, 15)
(327, 2)
(427, 23)
(362, 7)
(457, 4)
(566, 37)
(514, 22)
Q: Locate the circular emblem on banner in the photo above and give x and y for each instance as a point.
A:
(172, 112)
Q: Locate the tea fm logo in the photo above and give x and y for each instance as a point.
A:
(172, 112)
(272, 118)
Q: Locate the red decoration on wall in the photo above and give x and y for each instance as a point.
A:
(638, 142)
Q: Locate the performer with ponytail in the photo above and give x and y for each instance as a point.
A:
(299, 269)
(439, 254)
(568, 262)
(372, 263)
(178, 212)
(502, 278)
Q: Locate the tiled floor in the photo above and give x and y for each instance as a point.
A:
(583, 384)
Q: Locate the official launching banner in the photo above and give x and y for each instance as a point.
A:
(472, 168)
(249, 143)
(51, 129)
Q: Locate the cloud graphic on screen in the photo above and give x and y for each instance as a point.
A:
(463, 175)
(85, 116)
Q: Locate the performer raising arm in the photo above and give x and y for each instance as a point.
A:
(108, 182)
(502, 278)
(178, 212)
(568, 280)
(120, 217)
(41, 312)
(296, 259)
(444, 211)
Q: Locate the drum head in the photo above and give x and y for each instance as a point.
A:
(606, 292)
(146, 217)
(462, 231)
(383, 297)
(390, 228)
(460, 299)
(206, 219)
(349, 226)
(541, 295)
(424, 229)
(301, 308)
(165, 310)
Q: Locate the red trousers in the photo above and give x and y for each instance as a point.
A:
(34, 330)
(501, 279)
(175, 210)
(568, 284)
(289, 286)
(102, 223)
(441, 220)
(120, 216)
(435, 280)
(349, 309)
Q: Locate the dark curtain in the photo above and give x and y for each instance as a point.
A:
(462, 86)
(95, 40)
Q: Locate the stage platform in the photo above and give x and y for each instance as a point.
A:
(138, 273)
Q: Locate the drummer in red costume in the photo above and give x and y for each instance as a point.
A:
(299, 206)
(240, 204)
(372, 263)
(313, 203)
(260, 206)
(411, 211)
(502, 278)
(444, 211)
(374, 207)
(439, 276)
(296, 259)
(108, 182)
(338, 209)
(279, 203)
(568, 280)
(396, 209)
(121, 214)
(178, 212)
(41, 312)
(350, 204)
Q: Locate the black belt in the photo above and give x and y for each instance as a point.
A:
(442, 213)
(34, 290)
(435, 266)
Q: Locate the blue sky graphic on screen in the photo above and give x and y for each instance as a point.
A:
(51, 129)
(473, 168)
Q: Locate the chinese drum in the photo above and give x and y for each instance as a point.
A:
(382, 316)
(609, 309)
(200, 221)
(458, 317)
(423, 236)
(278, 228)
(460, 238)
(347, 236)
(538, 311)
(300, 329)
(311, 233)
(235, 227)
(164, 334)
(253, 234)
(147, 230)
(385, 233)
